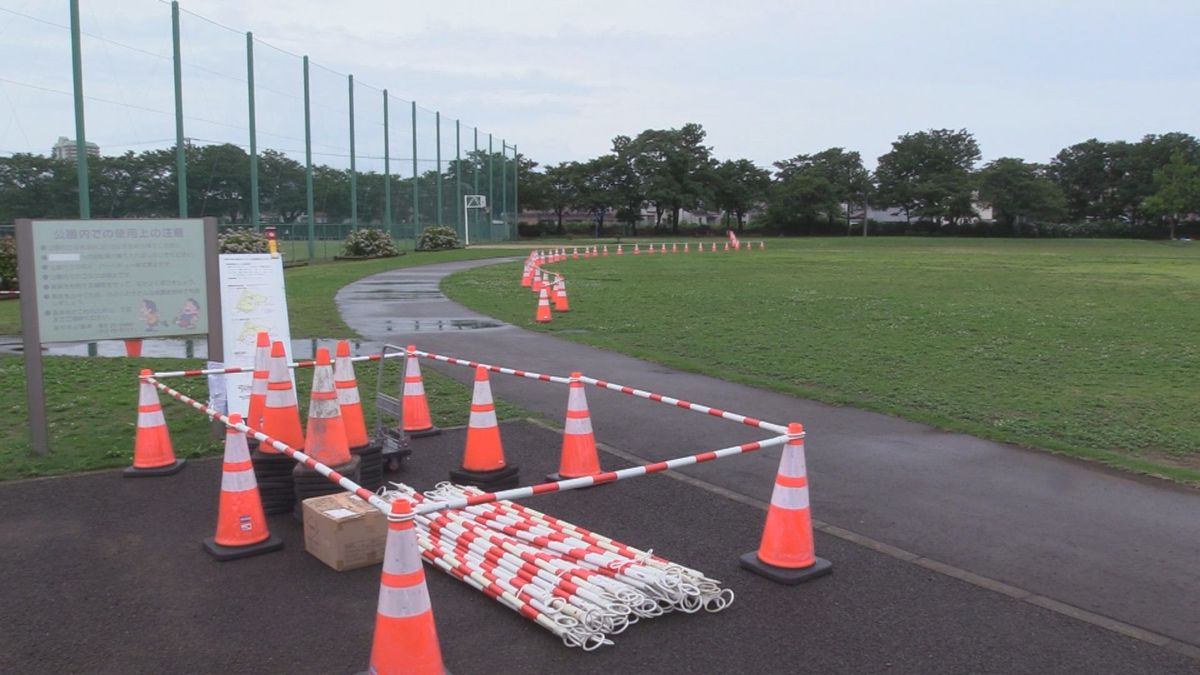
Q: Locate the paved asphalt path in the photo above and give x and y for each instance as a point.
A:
(104, 575)
(1112, 544)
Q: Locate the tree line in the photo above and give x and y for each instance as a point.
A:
(143, 185)
(933, 178)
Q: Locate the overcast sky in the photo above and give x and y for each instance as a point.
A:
(768, 80)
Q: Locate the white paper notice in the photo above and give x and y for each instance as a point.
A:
(252, 300)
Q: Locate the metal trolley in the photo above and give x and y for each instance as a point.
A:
(388, 410)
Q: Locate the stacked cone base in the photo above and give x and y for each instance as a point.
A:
(226, 553)
(500, 479)
(370, 468)
(785, 575)
(275, 486)
(172, 468)
(310, 483)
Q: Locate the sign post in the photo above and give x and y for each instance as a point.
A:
(112, 279)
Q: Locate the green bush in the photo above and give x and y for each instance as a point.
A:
(8, 263)
(438, 238)
(369, 243)
(242, 240)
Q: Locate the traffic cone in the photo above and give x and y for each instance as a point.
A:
(241, 525)
(527, 274)
(536, 284)
(326, 432)
(133, 347)
(762, 245)
(560, 296)
(786, 555)
(543, 308)
(152, 451)
(685, 247)
(281, 413)
(726, 247)
(405, 641)
(673, 249)
(483, 458)
(619, 250)
(258, 385)
(575, 253)
(579, 456)
(417, 422)
(604, 253)
(636, 250)
(714, 248)
(348, 399)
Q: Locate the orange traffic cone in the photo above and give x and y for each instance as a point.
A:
(673, 249)
(560, 296)
(326, 433)
(258, 385)
(133, 347)
(579, 456)
(405, 641)
(281, 413)
(726, 247)
(786, 553)
(604, 254)
(536, 284)
(619, 250)
(241, 525)
(348, 399)
(714, 248)
(483, 458)
(575, 253)
(685, 247)
(527, 274)
(543, 308)
(152, 451)
(762, 245)
(417, 422)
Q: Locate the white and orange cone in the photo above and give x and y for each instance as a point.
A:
(786, 553)
(604, 253)
(405, 641)
(637, 250)
(579, 456)
(281, 413)
(619, 250)
(325, 433)
(483, 457)
(153, 454)
(417, 421)
(726, 247)
(536, 284)
(348, 398)
(560, 296)
(714, 248)
(241, 526)
(673, 248)
(527, 274)
(762, 245)
(685, 247)
(543, 308)
(258, 385)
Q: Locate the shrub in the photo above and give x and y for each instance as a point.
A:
(8, 263)
(438, 238)
(369, 243)
(242, 240)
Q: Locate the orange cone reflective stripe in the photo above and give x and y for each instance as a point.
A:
(405, 641)
(326, 435)
(348, 398)
(579, 457)
(281, 413)
(543, 308)
(416, 406)
(258, 385)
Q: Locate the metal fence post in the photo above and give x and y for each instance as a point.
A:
(504, 181)
(81, 159)
(387, 170)
(353, 170)
(416, 208)
(491, 186)
(516, 204)
(180, 151)
(458, 194)
(437, 116)
(308, 169)
(254, 217)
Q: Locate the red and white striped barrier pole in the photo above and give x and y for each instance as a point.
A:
(601, 478)
(529, 374)
(250, 369)
(687, 405)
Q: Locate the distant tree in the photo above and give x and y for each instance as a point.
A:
(594, 181)
(739, 186)
(1017, 190)
(801, 198)
(281, 186)
(1176, 191)
(929, 174)
(629, 186)
(1084, 174)
(848, 179)
(218, 181)
(561, 185)
(676, 169)
(33, 186)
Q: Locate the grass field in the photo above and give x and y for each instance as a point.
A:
(1081, 347)
(92, 402)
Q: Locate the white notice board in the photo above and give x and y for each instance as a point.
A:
(252, 300)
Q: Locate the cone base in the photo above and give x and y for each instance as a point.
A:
(500, 479)
(227, 553)
(134, 472)
(423, 433)
(558, 476)
(785, 575)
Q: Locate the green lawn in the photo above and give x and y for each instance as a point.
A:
(1083, 347)
(92, 402)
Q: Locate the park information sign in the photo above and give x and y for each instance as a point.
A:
(103, 279)
(252, 300)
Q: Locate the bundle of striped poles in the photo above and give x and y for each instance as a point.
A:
(581, 586)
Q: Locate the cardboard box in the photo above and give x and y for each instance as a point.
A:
(344, 531)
